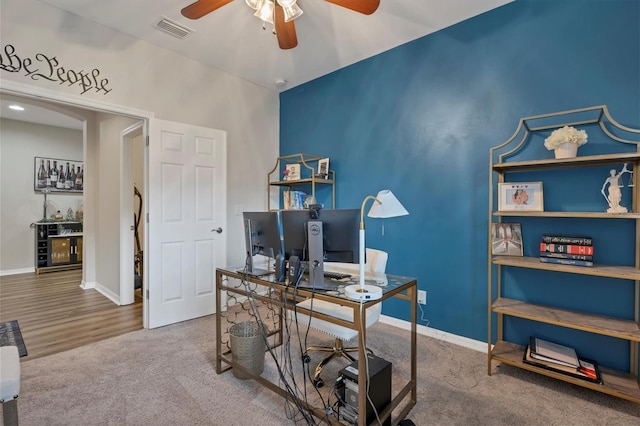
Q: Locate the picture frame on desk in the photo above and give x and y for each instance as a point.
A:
(520, 196)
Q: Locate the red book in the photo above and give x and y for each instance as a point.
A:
(566, 248)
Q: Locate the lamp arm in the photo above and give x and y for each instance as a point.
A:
(367, 198)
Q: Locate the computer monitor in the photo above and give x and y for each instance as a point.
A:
(262, 233)
(319, 236)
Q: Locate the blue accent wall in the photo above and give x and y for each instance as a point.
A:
(420, 120)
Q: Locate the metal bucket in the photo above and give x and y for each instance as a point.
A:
(247, 347)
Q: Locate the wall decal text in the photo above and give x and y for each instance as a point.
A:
(46, 67)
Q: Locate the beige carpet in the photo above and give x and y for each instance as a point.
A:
(166, 377)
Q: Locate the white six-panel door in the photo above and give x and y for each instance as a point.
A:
(187, 203)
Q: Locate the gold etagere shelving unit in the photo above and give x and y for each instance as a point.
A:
(623, 384)
(308, 177)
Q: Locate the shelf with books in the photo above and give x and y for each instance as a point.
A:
(614, 382)
(303, 173)
(619, 234)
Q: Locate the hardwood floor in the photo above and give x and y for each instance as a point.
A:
(56, 315)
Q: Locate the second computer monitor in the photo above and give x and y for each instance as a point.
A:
(262, 236)
(340, 229)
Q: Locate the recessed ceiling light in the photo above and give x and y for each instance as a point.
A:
(16, 107)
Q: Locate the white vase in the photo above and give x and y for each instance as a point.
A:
(566, 150)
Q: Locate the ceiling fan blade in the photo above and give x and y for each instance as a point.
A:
(202, 7)
(285, 31)
(366, 7)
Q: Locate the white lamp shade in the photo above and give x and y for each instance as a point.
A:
(387, 205)
(265, 12)
(287, 3)
(291, 11)
(254, 4)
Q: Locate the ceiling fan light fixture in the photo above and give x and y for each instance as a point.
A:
(287, 3)
(254, 4)
(265, 12)
(291, 11)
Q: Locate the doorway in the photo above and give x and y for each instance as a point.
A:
(132, 210)
(92, 123)
(183, 230)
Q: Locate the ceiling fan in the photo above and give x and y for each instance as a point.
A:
(279, 12)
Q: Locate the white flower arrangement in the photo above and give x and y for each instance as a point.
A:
(565, 134)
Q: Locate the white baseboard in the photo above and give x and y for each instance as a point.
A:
(107, 293)
(17, 271)
(476, 345)
(102, 290)
(87, 285)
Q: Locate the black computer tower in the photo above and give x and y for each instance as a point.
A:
(379, 390)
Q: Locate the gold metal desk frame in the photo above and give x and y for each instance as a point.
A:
(398, 287)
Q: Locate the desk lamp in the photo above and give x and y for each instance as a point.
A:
(385, 205)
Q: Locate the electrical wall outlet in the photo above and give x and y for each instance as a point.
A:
(422, 297)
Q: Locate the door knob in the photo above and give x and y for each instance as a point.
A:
(218, 230)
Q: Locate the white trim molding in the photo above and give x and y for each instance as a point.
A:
(476, 345)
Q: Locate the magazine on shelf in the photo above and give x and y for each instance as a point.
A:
(553, 352)
(587, 369)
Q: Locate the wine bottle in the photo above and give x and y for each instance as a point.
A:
(68, 182)
(79, 179)
(71, 177)
(42, 176)
(48, 171)
(61, 177)
(54, 175)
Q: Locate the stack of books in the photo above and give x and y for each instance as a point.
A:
(567, 250)
(561, 359)
(294, 200)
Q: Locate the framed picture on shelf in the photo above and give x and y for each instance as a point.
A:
(292, 172)
(506, 239)
(523, 196)
(57, 175)
(323, 168)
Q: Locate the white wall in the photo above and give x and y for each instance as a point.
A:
(148, 78)
(107, 217)
(20, 142)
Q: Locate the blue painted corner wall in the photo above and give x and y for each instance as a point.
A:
(420, 120)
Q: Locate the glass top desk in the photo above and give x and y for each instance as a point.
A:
(236, 288)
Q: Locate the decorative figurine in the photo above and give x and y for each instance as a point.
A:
(614, 195)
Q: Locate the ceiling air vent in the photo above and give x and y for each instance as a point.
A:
(173, 28)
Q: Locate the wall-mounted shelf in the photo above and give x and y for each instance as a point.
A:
(309, 179)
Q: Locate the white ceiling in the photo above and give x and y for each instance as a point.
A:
(231, 39)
